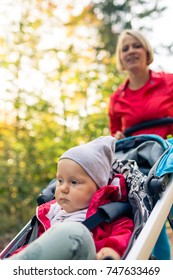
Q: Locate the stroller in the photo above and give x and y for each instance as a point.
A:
(150, 200)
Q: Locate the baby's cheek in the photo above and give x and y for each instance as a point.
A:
(56, 193)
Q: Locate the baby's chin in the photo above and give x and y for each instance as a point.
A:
(70, 209)
(66, 206)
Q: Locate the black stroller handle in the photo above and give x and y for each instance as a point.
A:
(155, 122)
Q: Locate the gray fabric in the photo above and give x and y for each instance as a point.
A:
(95, 157)
(140, 201)
(68, 241)
(146, 155)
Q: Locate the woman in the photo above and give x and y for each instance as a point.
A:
(145, 95)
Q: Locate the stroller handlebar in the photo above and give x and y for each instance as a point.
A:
(155, 122)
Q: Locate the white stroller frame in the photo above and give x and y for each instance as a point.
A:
(147, 238)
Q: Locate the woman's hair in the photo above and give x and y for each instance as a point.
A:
(137, 35)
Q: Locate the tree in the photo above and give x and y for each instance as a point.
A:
(124, 14)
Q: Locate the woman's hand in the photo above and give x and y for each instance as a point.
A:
(107, 252)
(119, 135)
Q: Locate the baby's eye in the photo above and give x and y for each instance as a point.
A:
(59, 181)
(74, 182)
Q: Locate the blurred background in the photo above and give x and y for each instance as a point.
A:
(57, 71)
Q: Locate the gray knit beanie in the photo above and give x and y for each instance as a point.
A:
(95, 157)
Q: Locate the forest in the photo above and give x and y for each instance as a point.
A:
(58, 70)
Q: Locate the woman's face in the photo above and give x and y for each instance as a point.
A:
(133, 56)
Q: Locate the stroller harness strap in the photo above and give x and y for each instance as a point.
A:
(108, 213)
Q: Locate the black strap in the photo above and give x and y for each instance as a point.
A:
(33, 232)
(156, 122)
(96, 219)
(108, 213)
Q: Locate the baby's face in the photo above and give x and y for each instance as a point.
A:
(75, 187)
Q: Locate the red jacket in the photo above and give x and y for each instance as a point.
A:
(115, 235)
(154, 100)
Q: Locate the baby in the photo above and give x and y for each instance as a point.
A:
(83, 184)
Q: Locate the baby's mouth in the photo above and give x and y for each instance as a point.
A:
(63, 199)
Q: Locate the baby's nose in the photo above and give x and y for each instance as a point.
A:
(65, 188)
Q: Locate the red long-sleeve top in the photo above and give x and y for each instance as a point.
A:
(152, 101)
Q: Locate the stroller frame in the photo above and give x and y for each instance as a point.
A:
(147, 238)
